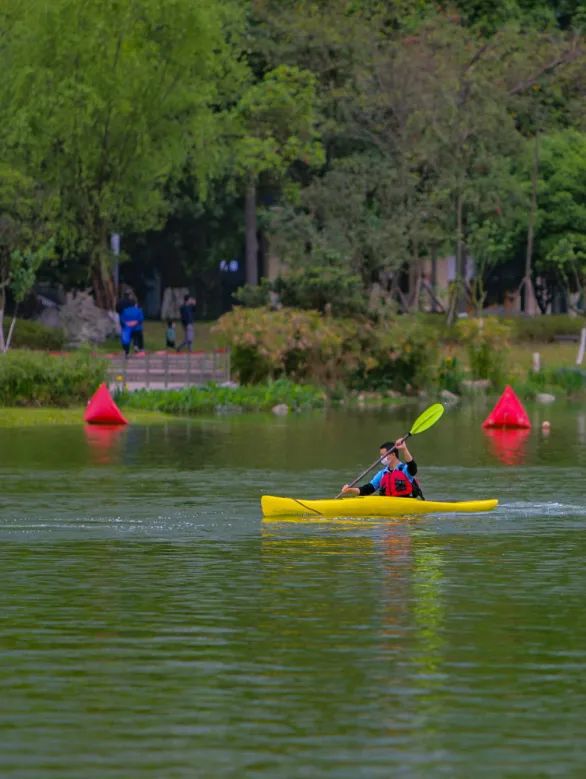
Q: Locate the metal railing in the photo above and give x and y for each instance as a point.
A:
(169, 370)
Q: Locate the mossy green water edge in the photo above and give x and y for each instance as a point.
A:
(212, 398)
(37, 417)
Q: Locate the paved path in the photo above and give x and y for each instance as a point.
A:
(168, 370)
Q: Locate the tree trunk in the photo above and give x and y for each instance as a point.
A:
(414, 278)
(460, 257)
(10, 332)
(459, 300)
(251, 234)
(530, 302)
(2, 306)
(414, 283)
(434, 280)
(102, 280)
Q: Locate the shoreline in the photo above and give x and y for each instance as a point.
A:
(27, 416)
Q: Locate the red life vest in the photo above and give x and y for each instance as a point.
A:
(396, 483)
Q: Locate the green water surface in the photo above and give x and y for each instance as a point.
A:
(153, 626)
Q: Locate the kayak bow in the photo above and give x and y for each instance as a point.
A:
(368, 506)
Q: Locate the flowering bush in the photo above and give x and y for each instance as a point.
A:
(400, 355)
(305, 345)
(297, 344)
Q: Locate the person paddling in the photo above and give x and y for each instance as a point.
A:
(396, 479)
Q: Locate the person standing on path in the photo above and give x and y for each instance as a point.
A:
(187, 314)
(131, 319)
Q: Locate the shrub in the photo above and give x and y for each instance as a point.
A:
(487, 342)
(254, 295)
(400, 355)
(38, 379)
(32, 335)
(450, 374)
(570, 381)
(323, 288)
(303, 345)
(290, 343)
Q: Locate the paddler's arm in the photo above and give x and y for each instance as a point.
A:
(401, 447)
(406, 456)
(366, 489)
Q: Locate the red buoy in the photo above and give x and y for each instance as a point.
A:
(101, 409)
(508, 412)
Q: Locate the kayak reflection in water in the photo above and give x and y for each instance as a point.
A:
(397, 478)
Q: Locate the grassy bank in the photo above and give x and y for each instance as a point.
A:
(154, 333)
(305, 360)
(214, 399)
(30, 378)
(39, 417)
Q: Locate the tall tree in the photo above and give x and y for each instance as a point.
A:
(25, 239)
(560, 236)
(109, 102)
(276, 122)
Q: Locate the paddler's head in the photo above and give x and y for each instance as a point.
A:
(389, 454)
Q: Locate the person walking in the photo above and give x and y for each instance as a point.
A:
(187, 315)
(131, 319)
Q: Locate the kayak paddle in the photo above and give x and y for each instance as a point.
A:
(423, 422)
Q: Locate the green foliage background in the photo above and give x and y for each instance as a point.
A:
(370, 135)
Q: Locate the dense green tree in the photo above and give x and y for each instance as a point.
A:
(276, 125)
(109, 102)
(384, 133)
(423, 128)
(560, 238)
(25, 239)
(490, 15)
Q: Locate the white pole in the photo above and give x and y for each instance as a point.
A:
(536, 362)
(582, 347)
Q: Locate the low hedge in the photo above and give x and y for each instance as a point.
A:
(545, 328)
(306, 346)
(212, 398)
(568, 382)
(32, 335)
(30, 378)
(540, 328)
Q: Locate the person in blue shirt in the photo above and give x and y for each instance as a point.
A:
(131, 319)
(396, 479)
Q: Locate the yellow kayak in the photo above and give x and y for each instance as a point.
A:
(367, 506)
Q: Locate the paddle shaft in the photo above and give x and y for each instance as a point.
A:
(375, 463)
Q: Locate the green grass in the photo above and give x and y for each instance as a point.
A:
(154, 337)
(37, 417)
(519, 359)
(32, 335)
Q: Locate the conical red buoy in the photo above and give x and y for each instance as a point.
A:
(508, 412)
(101, 409)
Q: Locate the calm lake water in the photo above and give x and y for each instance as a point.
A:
(153, 626)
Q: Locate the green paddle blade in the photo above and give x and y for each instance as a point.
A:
(428, 418)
